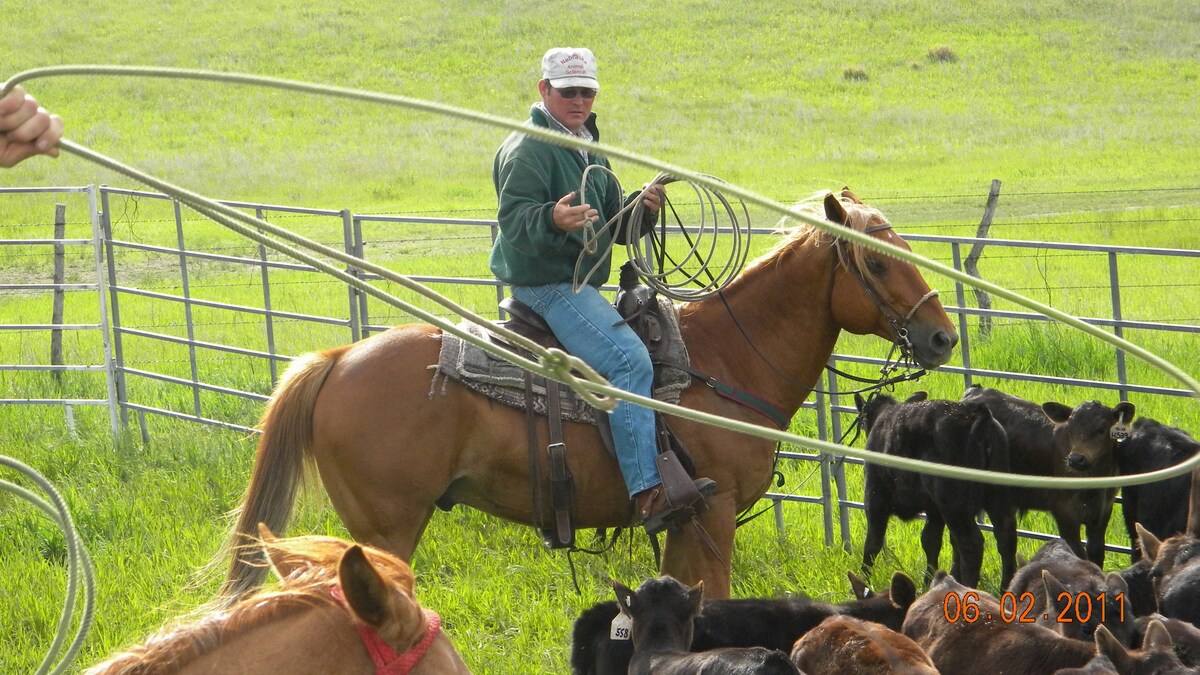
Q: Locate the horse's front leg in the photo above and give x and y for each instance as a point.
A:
(693, 554)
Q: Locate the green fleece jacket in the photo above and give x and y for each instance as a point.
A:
(530, 177)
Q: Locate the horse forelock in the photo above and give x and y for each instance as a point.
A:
(306, 588)
(795, 234)
(317, 558)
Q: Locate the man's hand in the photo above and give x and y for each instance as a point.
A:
(652, 197)
(572, 218)
(26, 129)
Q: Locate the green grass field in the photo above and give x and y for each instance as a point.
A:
(1085, 112)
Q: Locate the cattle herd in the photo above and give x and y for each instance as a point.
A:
(1059, 612)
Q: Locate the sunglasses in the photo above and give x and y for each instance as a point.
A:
(572, 92)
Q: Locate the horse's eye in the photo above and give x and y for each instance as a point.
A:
(876, 266)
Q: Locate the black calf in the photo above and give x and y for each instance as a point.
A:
(661, 611)
(1160, 507)
(1056, 440)
(947, 432)
(748, 622)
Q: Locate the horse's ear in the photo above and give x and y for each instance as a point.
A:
(859, 402)
(834, 210)
(1147, 541)
(283, 564)
(850, 195)
(367, 595)
(917, 397)
(624, 597)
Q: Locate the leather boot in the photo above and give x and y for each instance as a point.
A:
(656, 512)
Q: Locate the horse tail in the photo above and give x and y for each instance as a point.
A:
(279, 469)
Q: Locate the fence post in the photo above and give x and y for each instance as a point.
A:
(971, 264)
(1114, 282)
(110, 315)
(964, 342)
(56, 318)
(268, 309)
(348, 245)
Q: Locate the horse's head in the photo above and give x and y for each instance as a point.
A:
(878, 294)
(377, 586)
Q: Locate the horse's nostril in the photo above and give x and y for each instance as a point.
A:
(943, 341)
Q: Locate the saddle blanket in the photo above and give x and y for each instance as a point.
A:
(503, 381)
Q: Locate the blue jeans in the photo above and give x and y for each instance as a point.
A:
(583, 323)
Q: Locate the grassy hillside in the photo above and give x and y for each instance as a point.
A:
(1054, 96)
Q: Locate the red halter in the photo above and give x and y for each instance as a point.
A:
(387, 661)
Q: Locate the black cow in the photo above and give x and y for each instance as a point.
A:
(1142, 598)
(1056, 579)
(1175, 569)
(947, 432)
(739, 622)
(1160, 507)
(1056, 440)
(661, 613)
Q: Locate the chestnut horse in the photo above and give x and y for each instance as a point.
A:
(341, 608)
(389, 447)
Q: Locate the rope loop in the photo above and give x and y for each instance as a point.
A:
(712, 193)
(79, 566)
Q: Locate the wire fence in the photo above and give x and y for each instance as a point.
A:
(158, 312)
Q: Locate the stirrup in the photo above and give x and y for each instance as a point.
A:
(679, 511)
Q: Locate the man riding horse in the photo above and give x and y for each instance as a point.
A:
(544, 230)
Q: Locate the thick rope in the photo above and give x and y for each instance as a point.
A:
(557, 362)
(79, 565)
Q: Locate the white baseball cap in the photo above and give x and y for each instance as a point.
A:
(570, 67)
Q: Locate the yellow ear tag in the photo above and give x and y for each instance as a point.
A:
(1119, 431)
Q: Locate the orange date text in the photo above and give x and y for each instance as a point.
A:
(1075, 608)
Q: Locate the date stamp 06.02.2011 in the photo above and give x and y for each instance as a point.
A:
(1072, 608)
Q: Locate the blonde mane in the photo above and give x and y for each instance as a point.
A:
(797, 234)
(315, 561)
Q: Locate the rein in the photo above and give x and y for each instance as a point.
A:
(888, 310)
(386, 660)
(899, 330)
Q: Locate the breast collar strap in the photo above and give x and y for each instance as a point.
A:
(386, 660)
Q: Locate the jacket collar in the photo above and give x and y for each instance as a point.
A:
(542, 119)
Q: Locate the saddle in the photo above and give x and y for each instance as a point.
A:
(653, 320)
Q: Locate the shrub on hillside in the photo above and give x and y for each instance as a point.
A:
(854, 73)
(942, 53)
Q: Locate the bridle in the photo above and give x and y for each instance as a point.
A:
(898, 321)
(386, 660)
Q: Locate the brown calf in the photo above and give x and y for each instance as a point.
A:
(843, 644)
